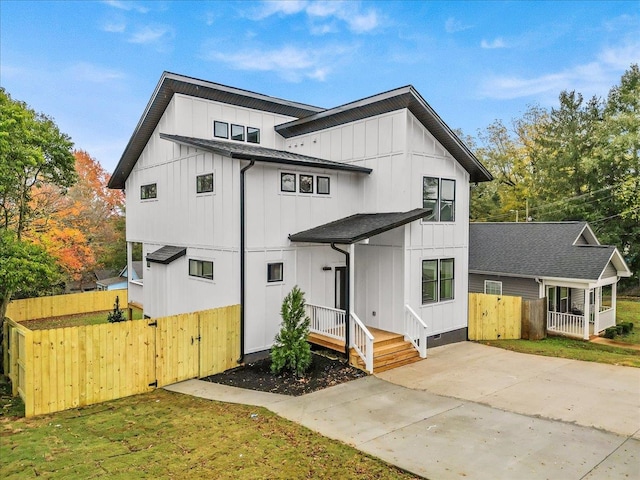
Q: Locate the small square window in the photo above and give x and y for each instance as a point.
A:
(306, 183)
(204, 183)
(148, 191)
(323, 185)
(288, 182)
(491, 287)
(253, 135)
(275, 272)
(221, 129)
(237, 133)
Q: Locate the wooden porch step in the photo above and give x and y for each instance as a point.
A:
(326, 342)
(387, 354)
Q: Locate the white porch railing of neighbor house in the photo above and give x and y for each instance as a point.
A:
(415, 330)
(362, 341)
(326, 321)
(566, 323)
(606, 318)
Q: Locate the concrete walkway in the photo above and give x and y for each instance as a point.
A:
(476, 412)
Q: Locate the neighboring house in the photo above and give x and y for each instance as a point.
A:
(236, 197)
(562, 261)
(121, 281)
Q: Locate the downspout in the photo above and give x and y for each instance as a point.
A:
(347, 298)
(242, 258)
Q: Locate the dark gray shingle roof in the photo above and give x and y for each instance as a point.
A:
(166, 254)
(535, 250)
(262, 154)
(358, 227)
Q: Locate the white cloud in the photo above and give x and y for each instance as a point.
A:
(127, 5)
(114, 27)
(150, 34)
(453, 25)
(496, 43)
(89, 72)
(593, 78)
(350, 13)
(289, 62)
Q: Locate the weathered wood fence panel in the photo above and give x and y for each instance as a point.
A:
(63, 368)
(493, 317)
(534, 319)
(61, 305)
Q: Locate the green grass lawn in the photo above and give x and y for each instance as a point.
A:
(168, 435)
(627, 311)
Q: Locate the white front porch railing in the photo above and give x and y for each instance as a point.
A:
(415, 330)
(326, 321)
(566, 323)
(606, 319)
(361, 340)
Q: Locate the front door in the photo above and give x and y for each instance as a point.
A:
(341, 287)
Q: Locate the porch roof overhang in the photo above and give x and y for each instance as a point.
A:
(358, 227)
(166, 254)
(262, 154)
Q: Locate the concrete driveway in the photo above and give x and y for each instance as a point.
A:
(477, 412)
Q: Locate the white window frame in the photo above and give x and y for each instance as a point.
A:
(492, 282)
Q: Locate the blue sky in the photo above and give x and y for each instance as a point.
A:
(93, 65)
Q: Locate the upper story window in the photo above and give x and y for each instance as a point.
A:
(253, 135)
(204, 183)
(437, 280)
(148, 191)
(323, 185)
(492, 287)
(237, 133)
(304, 183)
(220, 129)
(439, 195)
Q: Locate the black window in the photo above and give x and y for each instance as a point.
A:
(437, 280)
(306, 183)
(204, 183)
(237, 133)
(253, 135)
(323, 185)
(201, 268)
(275, 272)
(220, 129)
(288, 182)
(148, 191)
(439, 196)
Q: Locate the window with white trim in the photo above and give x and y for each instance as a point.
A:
(492, 287)
(438, 280)
(201, 268)
(439, 196)
(275, 272)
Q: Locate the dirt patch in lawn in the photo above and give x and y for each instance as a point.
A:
(327, 369)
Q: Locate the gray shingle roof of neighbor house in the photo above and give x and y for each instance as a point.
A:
(360, 226)
(262, 154)
(166, 254)
(309, 118)
(537, 249)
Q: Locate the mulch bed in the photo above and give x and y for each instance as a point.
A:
(326, 370)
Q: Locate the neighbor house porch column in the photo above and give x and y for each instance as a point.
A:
(585, 320)
(614, 288)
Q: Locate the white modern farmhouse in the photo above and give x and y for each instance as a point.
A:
(236, 197)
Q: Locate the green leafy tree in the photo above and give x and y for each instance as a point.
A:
(23, 267)
(291, 351)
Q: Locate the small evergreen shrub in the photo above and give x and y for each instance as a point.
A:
(117, 315)
(290, 350)
(610, 332)
(625, 328)
(619, 328)
(630, 326)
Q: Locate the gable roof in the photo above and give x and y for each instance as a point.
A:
(171, 83)
(404, 97)
(360, 226)
(537, 249)
(262, 154)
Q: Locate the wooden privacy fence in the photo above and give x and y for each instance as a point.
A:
(63, 305)
(57, 369)
(503, 317)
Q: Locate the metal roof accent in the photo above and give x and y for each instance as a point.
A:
(243, 151)
(400, 98)
(360, 226)
(167, 254)
(171, 83)
(539, 249)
